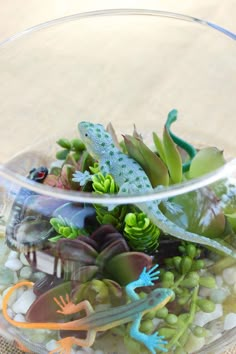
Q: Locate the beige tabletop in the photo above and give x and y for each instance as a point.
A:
(16, 15)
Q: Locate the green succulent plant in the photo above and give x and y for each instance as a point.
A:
(64, 229)
(183, 274)
(106, 185)
(140, 233)
(73, 147)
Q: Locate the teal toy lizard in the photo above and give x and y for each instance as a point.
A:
(131, 178)
(106, 319)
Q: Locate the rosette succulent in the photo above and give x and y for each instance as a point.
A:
(140, 233)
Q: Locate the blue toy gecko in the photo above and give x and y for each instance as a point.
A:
(131, 178)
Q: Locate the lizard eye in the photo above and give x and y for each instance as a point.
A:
(86, 134)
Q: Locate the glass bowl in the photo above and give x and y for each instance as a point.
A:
(160, 254)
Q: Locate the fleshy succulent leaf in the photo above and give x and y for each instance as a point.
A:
(159, 146)
(206, 160)
(149, 161)
(172, 157)
(126, 267)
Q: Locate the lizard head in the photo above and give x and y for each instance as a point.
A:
(96, 138)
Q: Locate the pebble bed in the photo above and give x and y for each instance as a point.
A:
(14, 267)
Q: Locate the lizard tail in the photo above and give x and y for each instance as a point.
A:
(29, 325)
(160, 220)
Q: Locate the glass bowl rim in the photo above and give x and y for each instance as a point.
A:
(156, 193)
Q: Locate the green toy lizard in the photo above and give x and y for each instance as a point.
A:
(106, 319)
(131, 178)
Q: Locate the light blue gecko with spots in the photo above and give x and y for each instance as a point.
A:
(131, 178)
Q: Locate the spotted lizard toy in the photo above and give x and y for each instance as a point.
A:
(106, 319)
(131, 178)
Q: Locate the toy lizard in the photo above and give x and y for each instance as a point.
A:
(106, 319)
(131, 178)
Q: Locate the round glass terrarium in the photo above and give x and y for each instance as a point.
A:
(129, 228)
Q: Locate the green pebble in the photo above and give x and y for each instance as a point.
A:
(206, 305)
(171, 319)
(162, 313)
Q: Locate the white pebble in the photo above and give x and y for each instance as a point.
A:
(23, 259)
(13, 264)
(229, 275)
(219, 281)
(24, 301)
(51, 345)
(13, 255)
(230, 321)
(19, 318)
(202, 318)
(219, 295)
(25, 272)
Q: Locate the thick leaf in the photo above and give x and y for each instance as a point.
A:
(44, 308)
(159, 146)
(126, 267)
(173, 157)
(206, 160)
(149, 161)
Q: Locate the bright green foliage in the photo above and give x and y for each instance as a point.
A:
(64, 229)
(140, 233)
(106, 185)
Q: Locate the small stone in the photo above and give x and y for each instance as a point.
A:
(51, 345)
(24, 301)
(6, 277)
(230, 321)
(19, 318)
(13, 264)
(194, 343)
(229, 275)
(201, 318)
(219, 295)
(13, 255)
(219, 281)
(25, 272)
(23, 259)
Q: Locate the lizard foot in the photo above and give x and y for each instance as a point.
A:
(81, 177)
(154, 341)
(66, 306)
(147, 277)
(64, 346)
